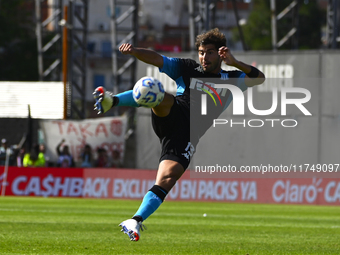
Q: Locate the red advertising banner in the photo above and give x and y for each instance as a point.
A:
(134, 183)
(47, 182)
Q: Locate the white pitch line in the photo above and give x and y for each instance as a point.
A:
(189, 224)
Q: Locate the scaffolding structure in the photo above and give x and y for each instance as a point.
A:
(123, 32)
(201, 18)
(77, 58)
(49, 36)
(64, 56)
(202, 15)
(293, 10)
(333, 23)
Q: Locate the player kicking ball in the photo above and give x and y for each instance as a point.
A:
(171, 117)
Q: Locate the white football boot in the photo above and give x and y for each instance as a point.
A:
(104, 100)
(131, 227)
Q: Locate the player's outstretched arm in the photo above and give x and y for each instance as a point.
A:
(253, 75)
(148, 56)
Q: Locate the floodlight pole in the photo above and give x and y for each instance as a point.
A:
(39, 39)
(65, 59)
(191, 26)
(238, 25)
(273, 19)
(114, 45)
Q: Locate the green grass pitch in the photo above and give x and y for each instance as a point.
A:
(31, 225)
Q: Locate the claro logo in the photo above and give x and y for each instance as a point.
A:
(286, 191)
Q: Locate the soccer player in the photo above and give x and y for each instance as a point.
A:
(171, 118)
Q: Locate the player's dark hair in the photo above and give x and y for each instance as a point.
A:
(213, 36)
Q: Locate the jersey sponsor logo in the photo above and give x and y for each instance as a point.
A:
(210, 89)
(202, 86)
(199, 69)
(214, 91)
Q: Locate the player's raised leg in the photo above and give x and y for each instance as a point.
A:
(147, 92)
(168, 173)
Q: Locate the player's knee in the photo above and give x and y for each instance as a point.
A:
(167, 182)
(169, 172)
(163, 109)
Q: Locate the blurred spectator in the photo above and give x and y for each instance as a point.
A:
(42, 150)
(102, 159)
(20, 157)
(3, 149)
(86, 156)
(65, 158)
(34, 157)
(116, 160)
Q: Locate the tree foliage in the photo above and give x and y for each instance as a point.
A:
(18, 48)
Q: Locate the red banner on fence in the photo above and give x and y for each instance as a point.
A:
(134, 183)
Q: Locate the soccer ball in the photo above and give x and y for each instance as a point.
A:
(148, 92)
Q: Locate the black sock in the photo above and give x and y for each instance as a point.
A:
(137, 218)
(115, 101)
(159, 191)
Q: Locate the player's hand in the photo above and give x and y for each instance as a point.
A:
(104, 100)
(126, 48)
(226, 56)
